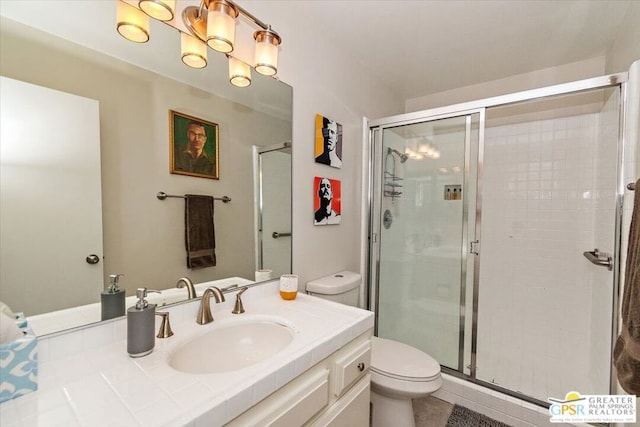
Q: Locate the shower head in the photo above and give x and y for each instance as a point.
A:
(403, 157)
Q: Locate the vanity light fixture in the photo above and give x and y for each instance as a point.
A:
(267, 42)
(162, 10)
(213, 24)
(133, 24)
(239, 72)
(199, 22)
(194, 51)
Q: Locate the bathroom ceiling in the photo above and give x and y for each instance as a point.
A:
(423, 47)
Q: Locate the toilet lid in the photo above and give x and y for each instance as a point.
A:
(400, 360)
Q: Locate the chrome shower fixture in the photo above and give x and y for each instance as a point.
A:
(403, 157)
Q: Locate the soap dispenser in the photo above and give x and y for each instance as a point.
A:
(112, 300)
(141, 320)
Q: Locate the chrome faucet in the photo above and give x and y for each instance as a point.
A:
(204, 313)
(186, 282)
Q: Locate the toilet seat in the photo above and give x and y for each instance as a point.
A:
(402, 361)
(401, 371)
(402, 378)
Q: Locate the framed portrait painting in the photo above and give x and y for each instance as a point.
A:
(327, 201)
(193, 146)
(328, 147)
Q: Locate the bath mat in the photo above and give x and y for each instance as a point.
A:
(464, 417)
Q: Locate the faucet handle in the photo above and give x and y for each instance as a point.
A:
(165, 327)
(228, 288)
(239, 308)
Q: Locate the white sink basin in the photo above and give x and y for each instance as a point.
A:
(231, 347)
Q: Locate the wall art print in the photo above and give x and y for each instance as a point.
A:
(328, 148)
(327, 202)
(193, 146)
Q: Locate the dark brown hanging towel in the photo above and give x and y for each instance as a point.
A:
(200, 235)
(626, 354)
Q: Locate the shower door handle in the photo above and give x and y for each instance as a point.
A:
(601, 259)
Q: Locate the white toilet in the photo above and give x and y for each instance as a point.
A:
(399, 372)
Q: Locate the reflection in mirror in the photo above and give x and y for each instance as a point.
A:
(50, 160)
(143, 237)
(272, 174)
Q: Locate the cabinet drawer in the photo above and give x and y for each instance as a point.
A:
(351, 367)
(292, 405)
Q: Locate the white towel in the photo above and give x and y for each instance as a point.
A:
(5, 309)
(9, 330)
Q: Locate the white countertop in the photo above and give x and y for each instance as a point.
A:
(86, 378)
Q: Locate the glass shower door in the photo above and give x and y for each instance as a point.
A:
(548, 197)
(421, 247)
(273, 208)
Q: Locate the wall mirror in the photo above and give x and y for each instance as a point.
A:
(73, 48)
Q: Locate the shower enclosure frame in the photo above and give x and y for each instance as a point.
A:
(375, 129)
(258, 185)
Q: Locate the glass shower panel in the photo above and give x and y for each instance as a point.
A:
(420, 276)
(274, 210)
(548, 196)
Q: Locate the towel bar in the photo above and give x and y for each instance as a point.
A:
(275, 234)
(162, 195)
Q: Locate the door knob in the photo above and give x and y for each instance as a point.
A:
(93, 259)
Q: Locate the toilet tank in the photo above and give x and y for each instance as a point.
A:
(342, 287)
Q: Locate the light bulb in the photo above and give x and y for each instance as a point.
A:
(162, 10)
(133, 24)
(239, 73)
(194, 51)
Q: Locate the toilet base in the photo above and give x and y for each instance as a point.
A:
(388, 411)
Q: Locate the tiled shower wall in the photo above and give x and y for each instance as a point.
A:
(546, 200)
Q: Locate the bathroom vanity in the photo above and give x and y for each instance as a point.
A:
(320, 377)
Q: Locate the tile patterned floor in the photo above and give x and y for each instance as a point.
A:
(431, 412)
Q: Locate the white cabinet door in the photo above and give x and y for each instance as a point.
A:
(50, 161)
(352, 410)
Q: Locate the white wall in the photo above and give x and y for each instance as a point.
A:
(327, 82)
(539, 78)
(626, 47)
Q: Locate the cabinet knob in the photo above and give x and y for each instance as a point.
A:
(361, 366)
